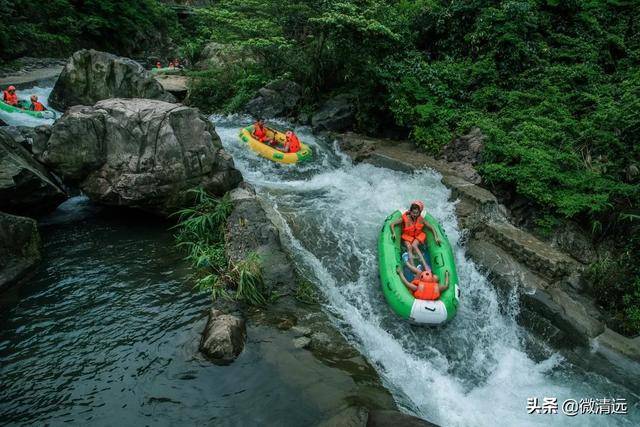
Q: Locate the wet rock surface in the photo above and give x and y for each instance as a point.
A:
(23, 135)
(251, 227)
(26, 64)
(466, 148)
(176, 85)
(26, 72)
(91, 76)
(277, 99)
(463, 154)
(26, 188)
(336, 114)
(223, 337)
(138, 153)
(535, 254)
(19, 248)
(250, 230)
(396, 419)
(362, 417)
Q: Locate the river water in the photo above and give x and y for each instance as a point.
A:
(478, 370)
(18, 119)
(107, 329)
(107, 333)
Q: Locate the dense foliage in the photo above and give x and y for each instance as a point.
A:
(56, 28)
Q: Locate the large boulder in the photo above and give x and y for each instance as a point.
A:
(466, 148)
(25, 185)
(223, 337)
(91, 76)
(249, 229)
(139, 153)
(337, 114)
(23, 135)
(176, 85)
(19, 248)
(464, 153)
(277, 99)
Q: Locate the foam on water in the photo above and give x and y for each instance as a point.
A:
(18, 119)
(474, 371)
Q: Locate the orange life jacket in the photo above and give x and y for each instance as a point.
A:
(259, 132)
(37, 106)
(427, 289)
(294, 143)
(412, 230)
(10, 98)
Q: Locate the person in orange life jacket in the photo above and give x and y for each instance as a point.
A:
(412, 235)
(158, 64)
(260, 132)
(35, 105)
(292, 143)
(10, 97)
(425, 284)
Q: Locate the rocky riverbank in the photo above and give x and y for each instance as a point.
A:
(27, 72)
(546, 280)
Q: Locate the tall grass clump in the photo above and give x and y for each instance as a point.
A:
(200, 234)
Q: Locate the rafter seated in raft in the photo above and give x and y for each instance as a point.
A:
(271, 144)
(420, 309)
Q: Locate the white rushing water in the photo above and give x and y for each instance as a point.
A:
(19, 119)
(474, 371)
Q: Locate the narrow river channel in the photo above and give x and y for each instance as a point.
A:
(477, 370)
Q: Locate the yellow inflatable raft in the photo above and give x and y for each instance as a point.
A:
(272, 153)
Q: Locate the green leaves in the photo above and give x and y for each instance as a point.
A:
(226, 89)
(558, 127)
(615, 283)
(57, 27)
(249, 279)
(200, 235)
(206, 218)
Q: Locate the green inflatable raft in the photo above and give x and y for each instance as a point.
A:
(48, 114)
(396, 293)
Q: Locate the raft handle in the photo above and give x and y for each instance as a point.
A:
(438, 260)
